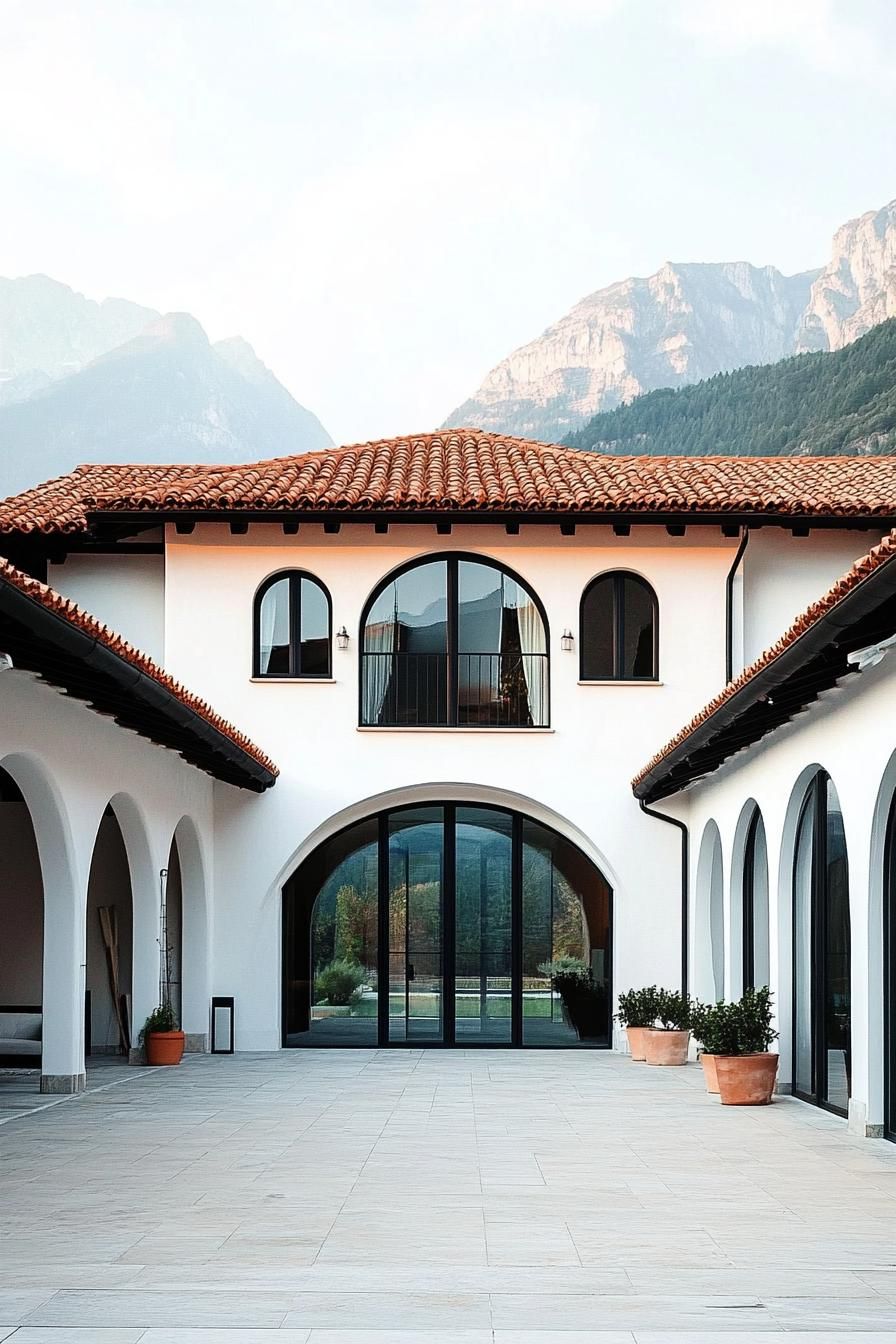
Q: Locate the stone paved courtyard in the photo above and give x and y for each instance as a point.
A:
(351, 1197)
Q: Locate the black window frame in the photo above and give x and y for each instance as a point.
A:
(618, 577)
(453, 559)
(748, 904)
(294, 578)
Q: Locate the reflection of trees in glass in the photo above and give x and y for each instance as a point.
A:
(553, 918)
(355, 921)
(344, 925)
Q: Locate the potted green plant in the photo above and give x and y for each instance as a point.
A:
(715, 1031)
(637, 1014)
(161, 1036)
(585, 1003)
(668, 1043)
(747, 1069)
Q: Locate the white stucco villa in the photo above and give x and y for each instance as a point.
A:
(452, 662)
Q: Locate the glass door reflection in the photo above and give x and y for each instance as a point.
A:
(483, 926)
(415, 908)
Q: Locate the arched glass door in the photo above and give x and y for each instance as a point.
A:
(434, 925)
(889, 943)
(821, 952)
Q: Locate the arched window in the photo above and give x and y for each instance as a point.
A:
(821, 951)
(454, 641)
(618, 629)
(292, 627)
(755, 906)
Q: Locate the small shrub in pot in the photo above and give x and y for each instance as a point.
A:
(668, 1043)
(746, 1068)
(585, 1002)
(161, 1036)
(637, 1014)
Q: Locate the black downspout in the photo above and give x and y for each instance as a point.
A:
(685, 872)
(729, 606)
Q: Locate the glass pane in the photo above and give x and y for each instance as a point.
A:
(890, 972)
(416, 852)
(637, 631)
(566, 913)
(804, 1073)
(597, 634)
(330, 936)
(502, 650)
(405, 650)
(314, 650)
(273, 631)
(483, 940)
(836, 971)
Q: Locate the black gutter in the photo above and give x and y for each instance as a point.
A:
(814, 662)
(729, 606)
(39, 639)
(685, 880)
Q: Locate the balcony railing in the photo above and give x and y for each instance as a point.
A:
(473, 690)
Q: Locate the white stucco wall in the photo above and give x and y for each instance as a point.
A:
(125, 592)
(70, 763)
(849, 733)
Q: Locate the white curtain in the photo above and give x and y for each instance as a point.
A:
(274, 622)
(379, 639)
(532, 644)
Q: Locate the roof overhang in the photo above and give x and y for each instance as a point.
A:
(41, 640)
(785, 686)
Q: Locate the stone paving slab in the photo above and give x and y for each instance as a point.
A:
(464, 1197)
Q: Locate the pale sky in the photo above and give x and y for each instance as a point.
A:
(385, 197)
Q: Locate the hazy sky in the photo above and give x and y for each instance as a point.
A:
(387, 196)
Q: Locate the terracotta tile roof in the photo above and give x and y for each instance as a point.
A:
(68, 611)
(468, 471)
(864, 569)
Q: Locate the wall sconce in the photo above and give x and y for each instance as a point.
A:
(566, 641)
(342, 638)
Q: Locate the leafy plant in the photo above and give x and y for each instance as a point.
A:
(638, 1007)
(162, 1018)
(673, 1010)
(741, 1028)
(586, 1002)
(567, 971)
(339, 982)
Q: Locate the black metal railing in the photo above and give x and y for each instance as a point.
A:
(475, 690)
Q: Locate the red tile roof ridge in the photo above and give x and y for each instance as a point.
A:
(69, 611)
(863, 569)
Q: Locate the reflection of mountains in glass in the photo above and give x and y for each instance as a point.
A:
(479, 625)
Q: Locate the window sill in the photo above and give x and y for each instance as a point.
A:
(446, 728)
(293, 681)
(614, 682)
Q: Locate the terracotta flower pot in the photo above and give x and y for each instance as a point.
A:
(637, 1042)
(746, 1080)
(164, 1047)
(709, 1071)
(667, 1047)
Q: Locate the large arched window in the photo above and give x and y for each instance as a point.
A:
(821, 951)
(292, 627)
(618, 629)
(454, 642)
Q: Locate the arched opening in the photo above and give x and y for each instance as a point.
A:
(619, 629)
(433, 924)
(454, 641)
(22, 922)
(754, 928)
(110, 1029)
(709, 923)
(889, 975)
(821, 951)
(186, 933)
(292, 621)
(172, 923)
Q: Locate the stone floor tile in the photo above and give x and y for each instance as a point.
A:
(37, 1334)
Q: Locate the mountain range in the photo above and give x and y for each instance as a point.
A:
(687, 322)
(108, 382)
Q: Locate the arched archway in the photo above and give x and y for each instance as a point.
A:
(882, 970)
(749, 932)
(709, 922)
(432, 923)
(187, 920)
(22, 921)
(109, 943)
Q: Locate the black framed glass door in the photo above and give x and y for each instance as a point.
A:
(821, 952)
(435, 925)
(889, 946)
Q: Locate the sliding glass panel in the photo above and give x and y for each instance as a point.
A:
(837, 1015)
(566, 913)
(330, 939)
(416, 880)
(483, 926)
(273, 631)
(803, 1070)
(314, 635)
